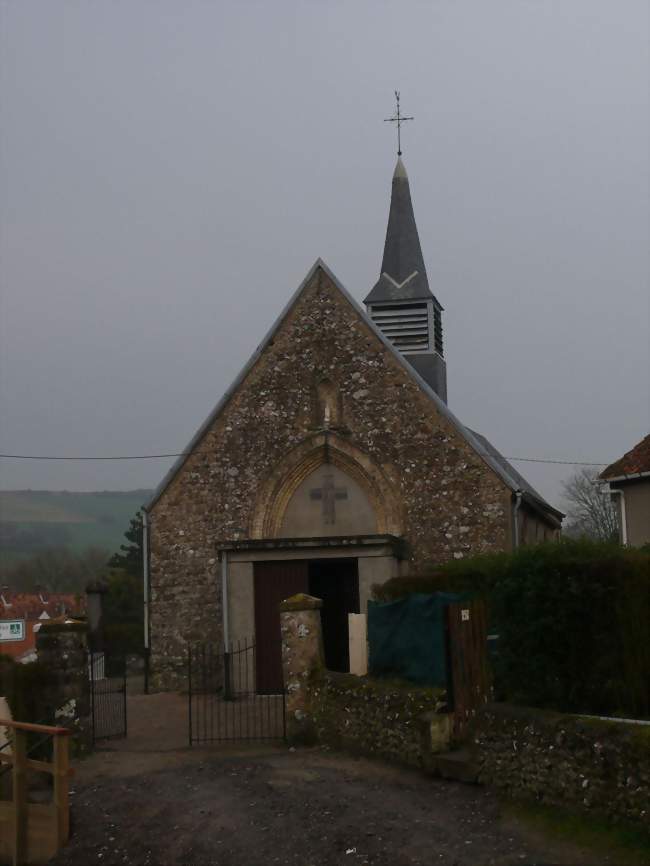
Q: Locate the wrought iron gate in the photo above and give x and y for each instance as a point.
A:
(107, 695)
(223, 702)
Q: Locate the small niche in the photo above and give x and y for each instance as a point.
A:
(327, 405)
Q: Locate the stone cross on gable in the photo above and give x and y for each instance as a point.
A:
(328, 494)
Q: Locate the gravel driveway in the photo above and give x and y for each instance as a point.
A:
(137, 803)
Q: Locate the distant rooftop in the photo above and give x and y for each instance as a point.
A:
(632, 463)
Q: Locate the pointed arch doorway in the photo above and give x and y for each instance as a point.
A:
(323, 524)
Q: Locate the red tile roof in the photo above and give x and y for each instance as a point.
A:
(31, 605)
(635, 461)
(35, 608)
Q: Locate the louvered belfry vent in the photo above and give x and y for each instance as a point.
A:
(405, 325)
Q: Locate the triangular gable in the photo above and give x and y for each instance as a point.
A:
(472, 440)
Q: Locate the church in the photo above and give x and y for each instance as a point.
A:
(331, 464)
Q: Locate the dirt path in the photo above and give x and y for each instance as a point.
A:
(140, 804)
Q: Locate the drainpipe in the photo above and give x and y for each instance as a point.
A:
(515, 518)
(224, 599)
(227, 679)
(623, 513)
(145, 594)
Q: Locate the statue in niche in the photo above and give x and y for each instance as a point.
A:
(326, 405)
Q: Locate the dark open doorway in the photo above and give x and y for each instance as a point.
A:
(336, 581)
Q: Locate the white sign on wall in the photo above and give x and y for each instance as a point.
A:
(12, 629)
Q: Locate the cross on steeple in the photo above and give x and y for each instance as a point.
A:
(399, 120)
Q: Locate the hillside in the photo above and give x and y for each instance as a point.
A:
(31, 520)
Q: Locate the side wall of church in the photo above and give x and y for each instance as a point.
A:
(452, 504)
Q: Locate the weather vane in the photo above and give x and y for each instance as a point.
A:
(399, 120)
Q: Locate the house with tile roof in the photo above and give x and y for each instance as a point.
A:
(629, 484)
(22, 614)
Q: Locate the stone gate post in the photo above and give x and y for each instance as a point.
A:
(302, 655)
(62, 649)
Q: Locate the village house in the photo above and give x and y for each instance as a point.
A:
(331, 464)
(22, 613)
(629, 485)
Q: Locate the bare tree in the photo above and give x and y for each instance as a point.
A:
(590, 512)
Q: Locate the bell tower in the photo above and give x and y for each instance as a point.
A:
(401, 303)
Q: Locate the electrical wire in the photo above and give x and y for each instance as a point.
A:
(188, 453)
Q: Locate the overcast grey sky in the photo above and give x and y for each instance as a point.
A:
(170, 170)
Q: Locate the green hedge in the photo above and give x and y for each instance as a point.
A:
(573, 620)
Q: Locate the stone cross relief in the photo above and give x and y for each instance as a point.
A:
(328, 495)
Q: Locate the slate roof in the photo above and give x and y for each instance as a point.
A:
(634, 462)
(512, 479)
(518, 481)
(403, 274)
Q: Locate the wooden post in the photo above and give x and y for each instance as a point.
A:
(20, 797)
(469, 676)
(61, 798)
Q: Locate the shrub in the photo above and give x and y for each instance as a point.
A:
(26, 688)
(573, 620)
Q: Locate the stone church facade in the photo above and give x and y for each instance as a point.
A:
(332, 463)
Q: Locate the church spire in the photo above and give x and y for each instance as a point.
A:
(401, 303)
(403, 274)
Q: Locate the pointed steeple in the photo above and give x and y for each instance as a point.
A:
(401, 303)
(403, 274)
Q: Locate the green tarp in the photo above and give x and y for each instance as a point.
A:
(406, 638)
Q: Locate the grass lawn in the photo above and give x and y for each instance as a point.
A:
(624, 845)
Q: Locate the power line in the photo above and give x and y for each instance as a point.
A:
(564, 462)
(130, 457)
(188, 453)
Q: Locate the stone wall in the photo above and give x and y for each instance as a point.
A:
(392, 720)
(435, 490)
(579, 763)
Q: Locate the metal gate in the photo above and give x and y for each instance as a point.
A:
(223, 701)
(107, 695)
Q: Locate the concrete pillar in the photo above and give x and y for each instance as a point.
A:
(302, 655)
(62, 650)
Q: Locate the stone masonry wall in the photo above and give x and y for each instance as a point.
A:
(62, 652)
(453, 504)
(393, 720)
(588, 764)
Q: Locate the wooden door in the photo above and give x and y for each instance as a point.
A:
(468, 669)
(274, 581)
